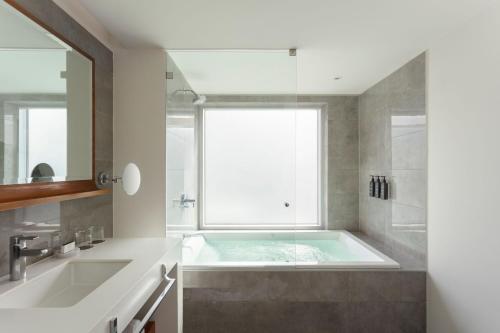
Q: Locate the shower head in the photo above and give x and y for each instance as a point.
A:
(197, 99)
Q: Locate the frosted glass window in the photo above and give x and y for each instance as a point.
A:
(43, 136)
(260, 167)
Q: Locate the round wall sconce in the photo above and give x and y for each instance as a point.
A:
(130, 178)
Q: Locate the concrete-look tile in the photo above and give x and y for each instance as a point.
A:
(396, 147)
(320, 317)
(23, 221)
(372, 216)
(83, 213)
(308, 286)
(375, 286)
(370, 317)
(236, 294)
(406, 216)
(343, 132)
(291, 317)
(347, 224)
(343, 206)
(303, 317)
(408, 187)
(41, 213)
(343, 155)
(372, 141)
(413, 286)
(339, 107)
(410, 76)
(343, 181)
(409, 151)
(408, 317)
(222, 317)
(408, 242)
(224, 279)
(195, 317)
(316, 302)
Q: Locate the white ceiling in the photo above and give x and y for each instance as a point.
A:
(32, 71)
(360, 40)
(31, 59)
(238, 72)
(17, 31)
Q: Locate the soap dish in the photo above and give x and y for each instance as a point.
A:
(69, 254)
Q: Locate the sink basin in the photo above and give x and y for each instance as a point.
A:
(62, 286)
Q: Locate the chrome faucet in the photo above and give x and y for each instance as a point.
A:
(18, 254)
(185, 202)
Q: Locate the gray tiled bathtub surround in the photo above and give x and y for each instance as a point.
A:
(81, 213)
(305, 301)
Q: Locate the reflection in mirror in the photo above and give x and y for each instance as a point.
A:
(45, 105)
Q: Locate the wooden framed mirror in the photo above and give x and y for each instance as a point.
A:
(47, 113)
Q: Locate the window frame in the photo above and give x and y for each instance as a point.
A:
(322, 165)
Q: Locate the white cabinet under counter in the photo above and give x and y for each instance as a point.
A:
(103, 289)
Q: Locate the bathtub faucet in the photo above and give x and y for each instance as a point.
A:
(184, 236)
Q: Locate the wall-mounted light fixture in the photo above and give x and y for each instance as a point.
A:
(131, 179)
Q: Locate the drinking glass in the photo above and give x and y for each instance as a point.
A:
(97, 234)
(83, 239)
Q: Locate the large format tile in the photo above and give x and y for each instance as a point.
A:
(309, 286)
(307, 301)
(376, 286)
(409, 187)
(343, 181)
(370, 317)
(265, 317)
(392, 143)
(409, 151)
(343, 206)
(408, 317)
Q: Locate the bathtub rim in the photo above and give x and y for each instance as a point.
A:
(387, 263)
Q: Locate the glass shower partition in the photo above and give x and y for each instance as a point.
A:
(182, 167)
(239, 159)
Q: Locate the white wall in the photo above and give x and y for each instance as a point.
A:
(139, 137)
(464, 179)
(75, 9)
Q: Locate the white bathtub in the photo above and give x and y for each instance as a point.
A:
(223, 250)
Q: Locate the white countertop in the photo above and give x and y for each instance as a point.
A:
(120, 296)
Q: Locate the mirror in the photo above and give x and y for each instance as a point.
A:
(131, 179)
(46, 105)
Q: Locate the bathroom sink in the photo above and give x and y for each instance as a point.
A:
(62, 286)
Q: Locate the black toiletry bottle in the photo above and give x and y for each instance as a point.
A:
(377, 187)
(372, 187)
(384, 189)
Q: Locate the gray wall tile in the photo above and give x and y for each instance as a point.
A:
(393, 143)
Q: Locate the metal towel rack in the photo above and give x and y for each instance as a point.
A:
(170, 282)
